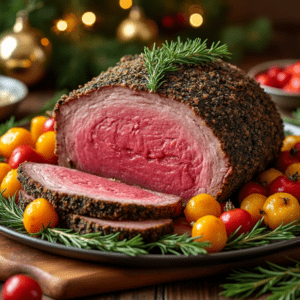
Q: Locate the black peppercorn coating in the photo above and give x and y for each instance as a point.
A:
(84, 225)
(240, 114)
(97, 208)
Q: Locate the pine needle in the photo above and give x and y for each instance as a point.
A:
(159, 61)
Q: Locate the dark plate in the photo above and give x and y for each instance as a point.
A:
(153, 260)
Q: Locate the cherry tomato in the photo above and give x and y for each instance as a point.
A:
(293, 85)
(286, 158)
(48, 125)
(267, 176)
(280, 208)
(235, 218)
(250, 188)
(283, 78)
(283, 184)
(21, 287)
(289, 142)
(293, 69)
(273, 72)
(265, 79)
(24, 153)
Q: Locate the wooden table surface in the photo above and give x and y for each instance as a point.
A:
(204, 288)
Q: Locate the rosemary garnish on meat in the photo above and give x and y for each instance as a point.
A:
(12, 216)
(159, 61)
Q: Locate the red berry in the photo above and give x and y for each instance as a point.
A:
(250, 188)
(235, 218)
(48, 125)
(21, 287)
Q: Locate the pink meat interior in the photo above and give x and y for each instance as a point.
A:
(142, 225)
(64, 180)
(143, 139)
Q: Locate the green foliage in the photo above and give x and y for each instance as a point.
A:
(159, 61)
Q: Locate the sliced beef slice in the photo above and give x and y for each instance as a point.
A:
(207, 129)
(150, 230)
(72, 191)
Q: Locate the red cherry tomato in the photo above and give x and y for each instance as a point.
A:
(283, 184)
(293, 69)
(287, 158)
(48, 125)
(21, 287)
(293, 84)
(235, 218)
(250, 188)
(265, 79)
(24, 153)
(283, 78)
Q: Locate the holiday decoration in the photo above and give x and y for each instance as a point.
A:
(24, 51)
(137, 27)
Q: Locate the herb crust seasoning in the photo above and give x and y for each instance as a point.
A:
(223, 100)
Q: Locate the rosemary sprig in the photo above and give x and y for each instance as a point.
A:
(159, 61)
(177, 244)
(261, 235)
(282, 282)
(295, 119)
(12, 216)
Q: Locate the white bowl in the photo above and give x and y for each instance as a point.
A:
(15, 90)
(284, 99)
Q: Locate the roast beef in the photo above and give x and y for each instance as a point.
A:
(72, 191)
(207, 129)
(150, 230)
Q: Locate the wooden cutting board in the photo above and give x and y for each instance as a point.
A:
(63, 278)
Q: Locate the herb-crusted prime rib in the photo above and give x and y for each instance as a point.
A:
(72, 191)
(150, 230)
(207, 129)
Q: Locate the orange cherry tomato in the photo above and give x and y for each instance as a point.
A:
(293, 169)
(269, 175)
(280, 208)
(253, 204)
(45, 146)
(4, 169)
(13, 138)
(39, 214)
(36, 127)
(289, 142)
(210, 229)
(202, 205)
(11, 185)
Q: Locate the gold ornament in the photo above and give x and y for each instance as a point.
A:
(24, 51)
(137, 27)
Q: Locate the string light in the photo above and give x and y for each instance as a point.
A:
(88, 18)
(196, 20)
(45, 42)
(125, 4)
(62, 25)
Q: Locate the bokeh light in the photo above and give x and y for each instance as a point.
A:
(196, 20)
(125, 4)
(88, 18)
(62, 25)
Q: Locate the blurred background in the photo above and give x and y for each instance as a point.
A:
(66, 43)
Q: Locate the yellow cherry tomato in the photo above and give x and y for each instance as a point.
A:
(13, 138)
(269, 175)
(11, 185)
(289, 142)
(4, 169)
(280, 208)
(253, 204)
(292, 170)
(39, 214)
(210, 229)
(36, 125)
(201, 205)
(45, 145)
